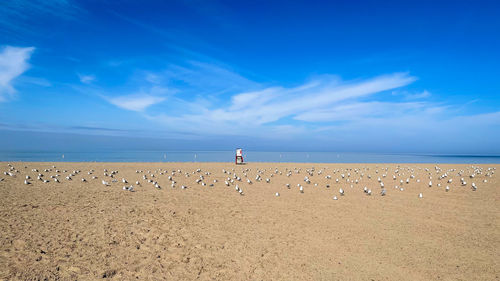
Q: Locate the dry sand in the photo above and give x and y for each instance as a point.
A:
(76, 230)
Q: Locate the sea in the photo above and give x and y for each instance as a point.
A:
(249, 156)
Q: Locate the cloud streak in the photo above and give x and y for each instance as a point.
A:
(86, 79)
(259, 110)
(209, 101)
(135, 102)
(13, 63)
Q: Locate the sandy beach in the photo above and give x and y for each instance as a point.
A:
(75, 230)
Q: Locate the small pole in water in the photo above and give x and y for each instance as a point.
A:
(62, 156)
(195, 156)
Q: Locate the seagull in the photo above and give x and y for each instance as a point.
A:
(56, 179)
(26, 182)
(84, 180)
(365, 189)
(369, 192)
(335, 198)
(277, 194)
(420, 195)
(447, 188)
(341, 191)
(105, 182)
(430, 183)
(301, 189)
(27, 177)
(474, 187)
(124, 180)
(382, 192)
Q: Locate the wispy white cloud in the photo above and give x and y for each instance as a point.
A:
(139, 101)
(13, 63)
(359, 110)
(257, 112)
(34, 81)
(209, 100)
(86, 79)
(135, 102)
(210, 78)
(412, 95)
(422, 95)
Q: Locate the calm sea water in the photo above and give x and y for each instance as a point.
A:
(250, 156)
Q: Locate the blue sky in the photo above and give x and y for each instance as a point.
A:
(359, 76)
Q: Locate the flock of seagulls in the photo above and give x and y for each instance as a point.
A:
(347, 179)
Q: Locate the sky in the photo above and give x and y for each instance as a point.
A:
(346, 76)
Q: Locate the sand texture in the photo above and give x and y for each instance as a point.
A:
(74, 230)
